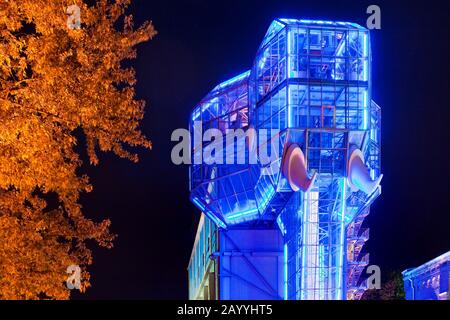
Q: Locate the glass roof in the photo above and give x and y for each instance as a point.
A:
(211, 101)
(308, 22)
(232, 81)
(274, 28)
(279, 24)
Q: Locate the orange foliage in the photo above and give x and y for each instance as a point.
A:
(54, 81)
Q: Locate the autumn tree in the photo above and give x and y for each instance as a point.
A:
(391, 289)
(60, 79)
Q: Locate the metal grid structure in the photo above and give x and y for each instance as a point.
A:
(223, 192)
(310, 85)
(202, 270)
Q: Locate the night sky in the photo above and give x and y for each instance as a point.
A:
(200, 44)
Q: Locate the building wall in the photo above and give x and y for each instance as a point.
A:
(251, 264)
(239, 264)
(429, 281)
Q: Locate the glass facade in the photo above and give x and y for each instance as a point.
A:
(310, 85)
(313, 76)
(225, 193)
(202, 270)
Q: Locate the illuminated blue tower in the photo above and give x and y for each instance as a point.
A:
(291, 227)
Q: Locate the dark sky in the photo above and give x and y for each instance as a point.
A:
(201, 43)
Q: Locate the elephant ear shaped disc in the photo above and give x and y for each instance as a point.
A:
(295, 169)
(358, 174)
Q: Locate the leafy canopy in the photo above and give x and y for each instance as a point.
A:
(55, 82)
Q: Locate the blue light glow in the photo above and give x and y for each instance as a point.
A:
(365, 111)
(281, 225)
(340, 269)
(303, 250)
(290, 108)
(324, 68)
(196, 114)
(321, 22)
(233, 80)
(366, 57)
(285, 253)
(266, 197)
(341, 47)
(241, 214)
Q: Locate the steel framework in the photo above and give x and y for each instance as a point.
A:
(430, 281)
(310, 86)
